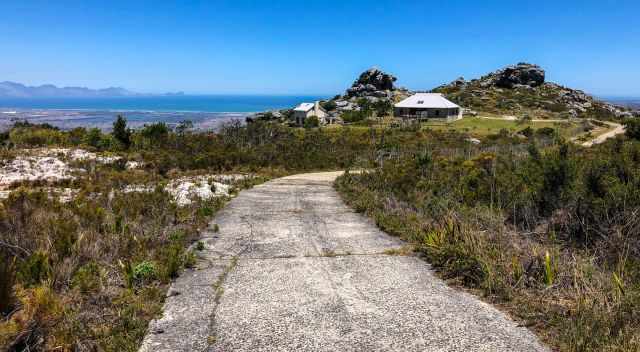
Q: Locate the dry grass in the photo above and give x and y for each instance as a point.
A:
(578, 294)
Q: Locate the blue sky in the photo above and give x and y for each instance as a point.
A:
(314, 47)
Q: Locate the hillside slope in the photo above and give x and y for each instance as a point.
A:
(520, 90)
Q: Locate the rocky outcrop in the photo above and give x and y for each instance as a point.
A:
(372, 82)
(372, 86)
(522, 74)
(521, 89)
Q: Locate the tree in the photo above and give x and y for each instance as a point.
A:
(94, 137)
(121, 133)
(155, 133)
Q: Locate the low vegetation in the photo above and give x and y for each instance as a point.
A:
(482, 127)
(545, 228)
(89, 273)
(551, 234)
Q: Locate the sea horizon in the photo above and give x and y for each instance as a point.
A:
(205, 111)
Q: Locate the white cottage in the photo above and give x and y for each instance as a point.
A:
(305, 110)
(428, 106)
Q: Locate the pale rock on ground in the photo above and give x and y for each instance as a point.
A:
(131, 165)
(34, 168)
(80, 155)
(46, 164)
(185, 189)
(64, 195)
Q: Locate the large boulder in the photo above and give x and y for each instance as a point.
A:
(522, 74)
(371, 81)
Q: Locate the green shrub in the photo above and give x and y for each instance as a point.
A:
(35, 270)
(152, 135)
(546, 131)
(311, 122)
(88, 278)
(329, 105)
(190, 259)
(7, 280)
(172, 259)
(632, 127)
(77, 135)
(353, 116)
(95, 138)
(145, 272)
(178, 236)
(37, 137)
(206, 211)
(383, 107)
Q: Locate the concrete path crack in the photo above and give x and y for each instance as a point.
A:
(294, 269)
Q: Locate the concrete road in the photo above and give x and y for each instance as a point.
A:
(294, 269)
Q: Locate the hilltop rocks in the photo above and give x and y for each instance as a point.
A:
(373, 86)
(372, 82)
(521, 89)
(522, 74)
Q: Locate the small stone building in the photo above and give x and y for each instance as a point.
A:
(306, 110)
(424, 106)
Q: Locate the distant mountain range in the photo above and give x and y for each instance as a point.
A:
(18, 90)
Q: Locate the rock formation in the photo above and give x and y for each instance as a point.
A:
(522, 74)
(521, 89)
(373, 85)
(372, 82)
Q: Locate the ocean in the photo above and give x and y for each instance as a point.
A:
(205, 111)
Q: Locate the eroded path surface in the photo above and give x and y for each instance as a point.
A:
(294, 269)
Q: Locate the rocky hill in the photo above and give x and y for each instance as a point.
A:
(516, 90)
(520, 90)
(372, 86)
(373, 89)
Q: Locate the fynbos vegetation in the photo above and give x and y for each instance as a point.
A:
(553, 234)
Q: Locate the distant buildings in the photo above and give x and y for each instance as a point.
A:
(427, 106)
(306, 110)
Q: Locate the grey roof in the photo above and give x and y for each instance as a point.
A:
(426, 100)
(304, 107)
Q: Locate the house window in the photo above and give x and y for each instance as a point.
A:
(420, 102)
(437, 112)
